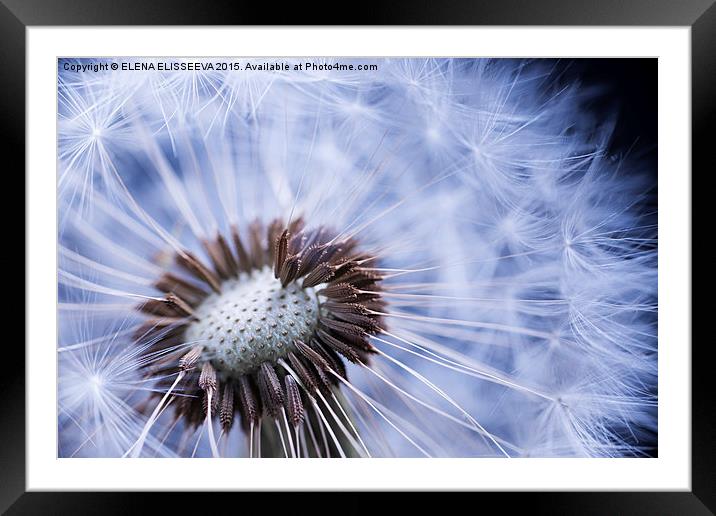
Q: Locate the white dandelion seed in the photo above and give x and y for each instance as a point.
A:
(438, 258)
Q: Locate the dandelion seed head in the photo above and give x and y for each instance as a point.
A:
(497, 297)
(243, 326)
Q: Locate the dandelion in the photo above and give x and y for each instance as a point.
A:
(442, 257)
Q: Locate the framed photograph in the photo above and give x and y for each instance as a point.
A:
(446, 249)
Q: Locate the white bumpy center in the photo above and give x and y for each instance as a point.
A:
(253, 320)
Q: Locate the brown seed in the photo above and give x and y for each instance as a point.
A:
(294, 406)
(281, 253)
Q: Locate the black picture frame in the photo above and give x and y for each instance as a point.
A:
(17, 15)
